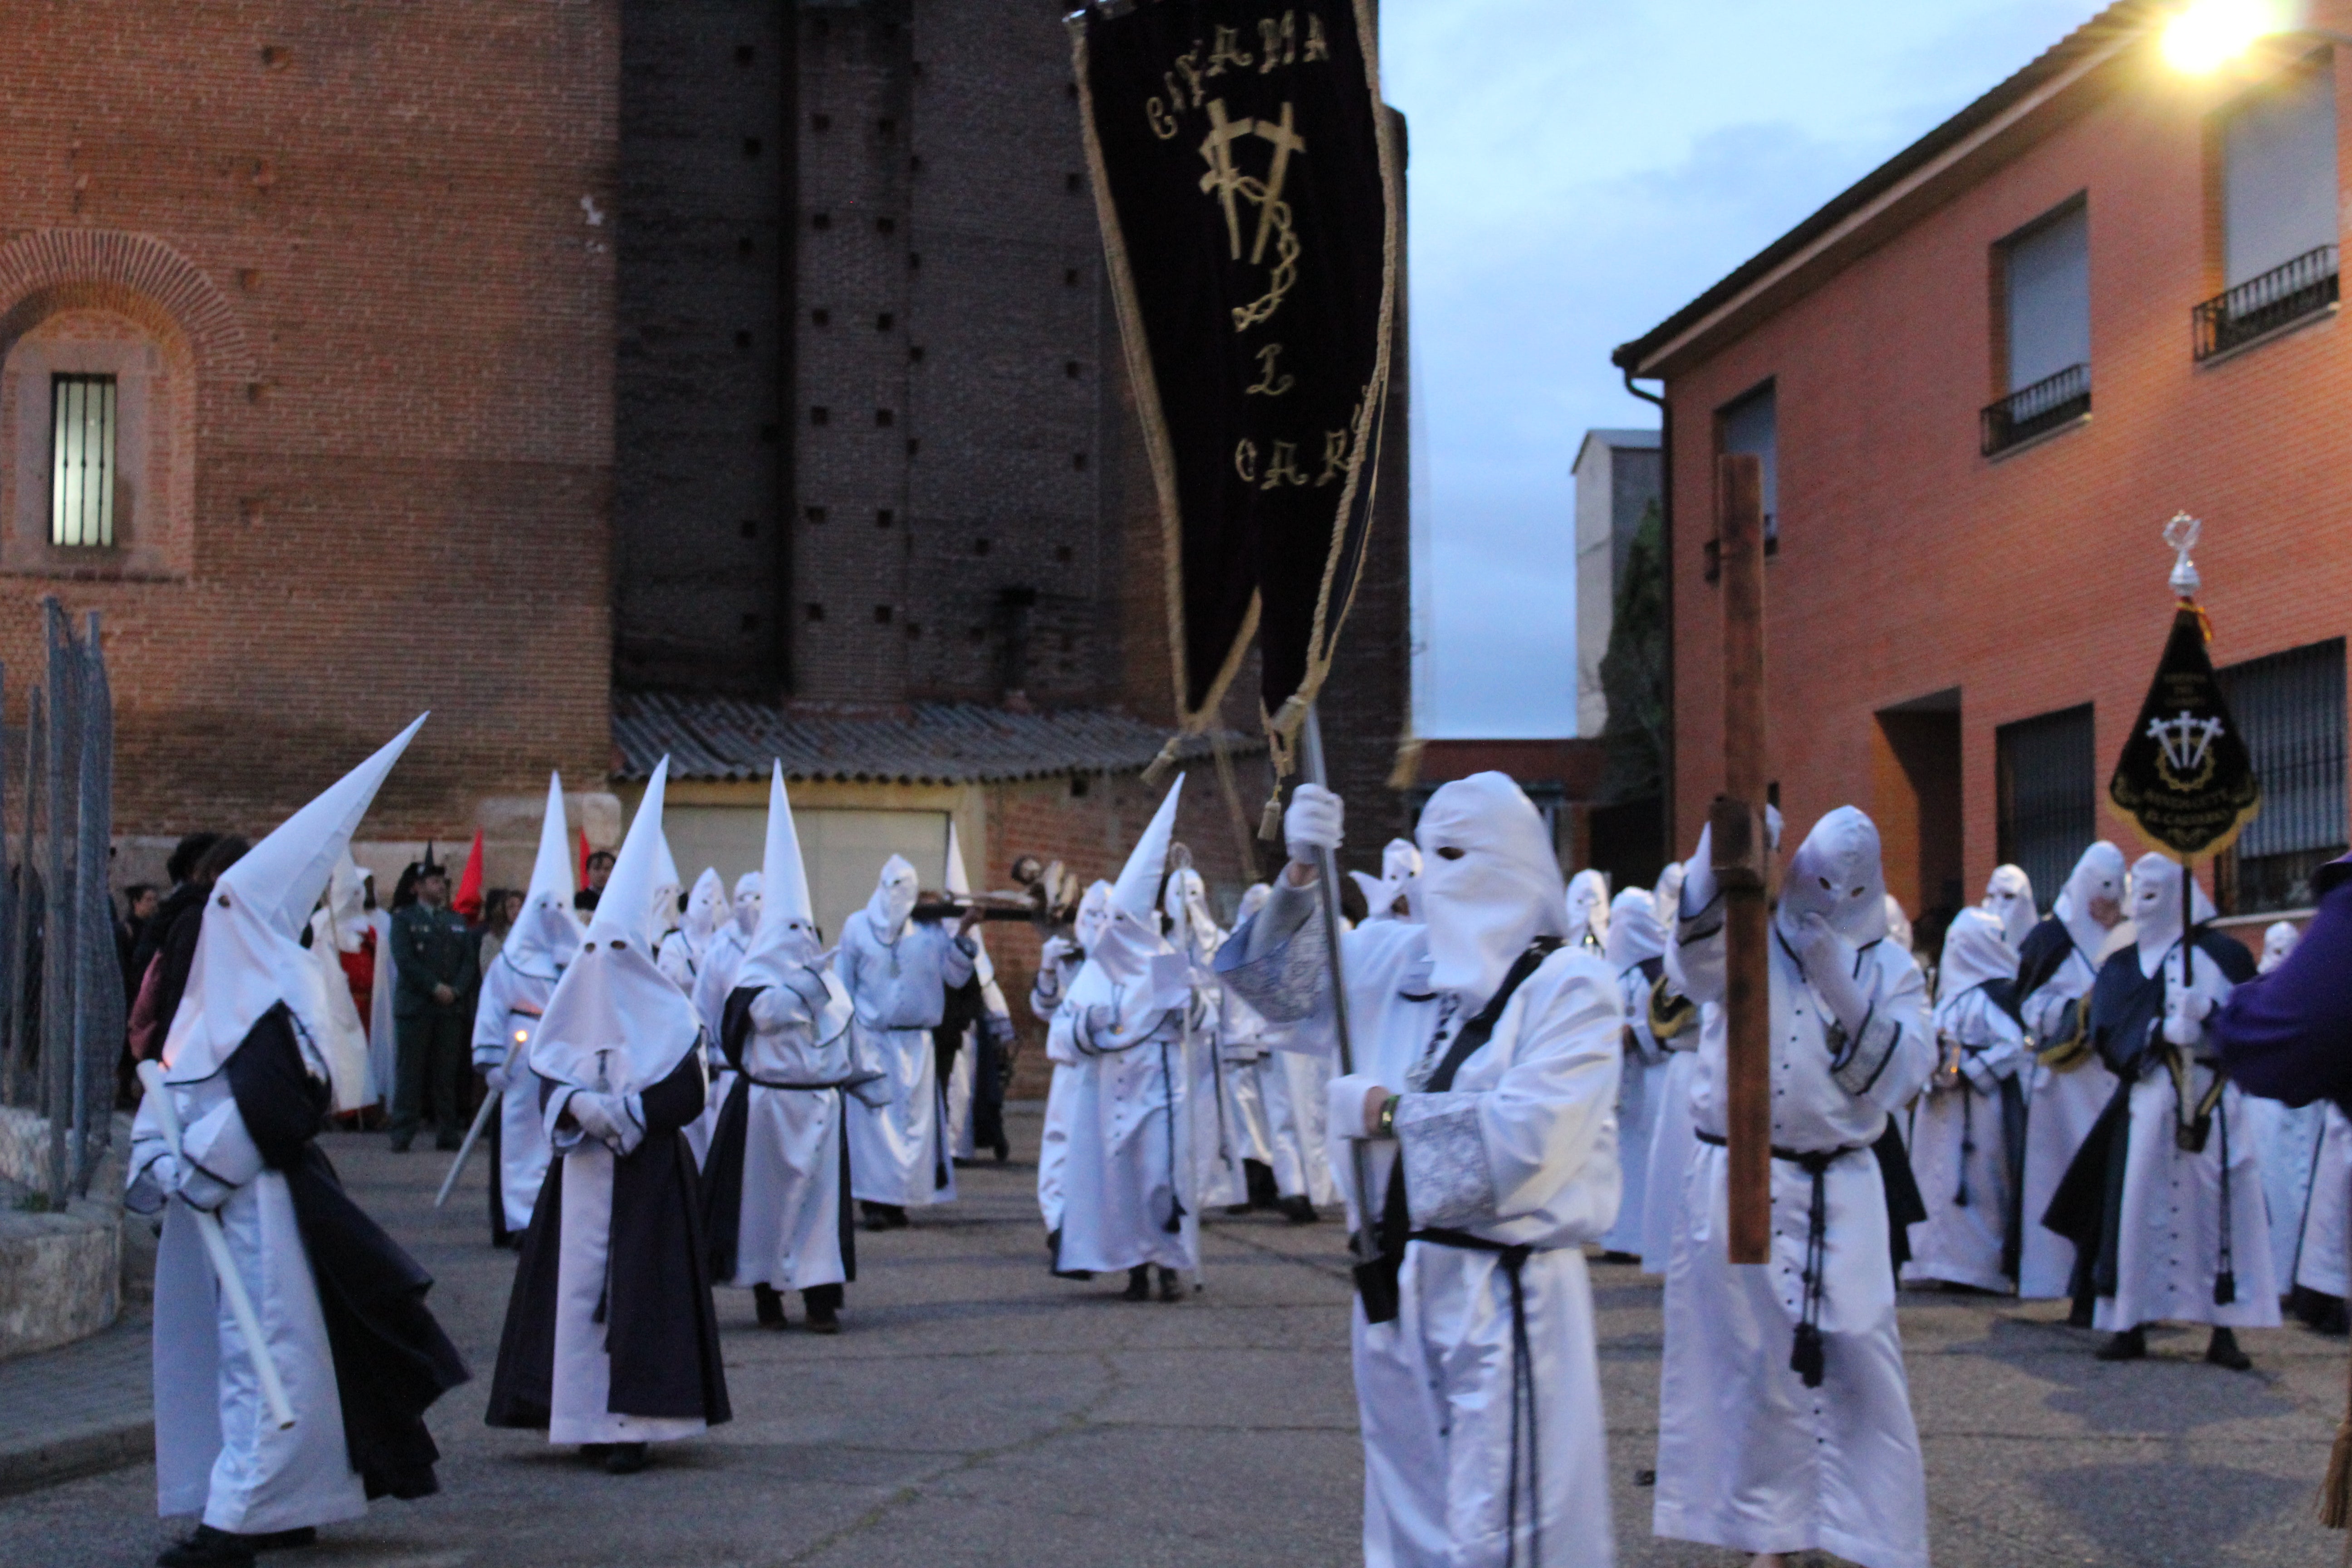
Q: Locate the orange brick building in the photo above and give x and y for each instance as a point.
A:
(1981, 380)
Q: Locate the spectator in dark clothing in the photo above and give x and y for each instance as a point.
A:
(600, 867)
(181, 868)
(138, 902)
(2287, 1035)
(435, 967)
(166, 978)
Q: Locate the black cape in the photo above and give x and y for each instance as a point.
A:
(2126, 1010)
(722, 1173)
(660, 1327)
(392, 1360)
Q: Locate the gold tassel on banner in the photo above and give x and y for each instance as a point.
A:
(1269, 822)
(2336, 1490)
(1406, 772)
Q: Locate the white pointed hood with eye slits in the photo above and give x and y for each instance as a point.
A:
(546, 934)
(1131, 967)
(616, 1022)
(1634, 934)
(1836, 873)
(1489, 883)
(784, 949)
(2155, 908)
(2278, 945)
(249, 955)
(2009, 894)
(2099, 875)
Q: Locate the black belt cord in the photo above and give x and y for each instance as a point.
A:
(1808, 1357)
(1513, 1260)
(2225, 1274)
(1176, 1210)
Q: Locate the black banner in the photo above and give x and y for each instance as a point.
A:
(2185, 776)
(1245, 177)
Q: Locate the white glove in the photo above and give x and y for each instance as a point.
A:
(2184, 1010)
(1829, 965)
(1979, 1072)
(1313, 823)
(1343, 1104)
(1056, 950)
(601, 1116)
(495, 1074)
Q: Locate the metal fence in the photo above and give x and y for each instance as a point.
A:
(61, 994)
(2260, 306)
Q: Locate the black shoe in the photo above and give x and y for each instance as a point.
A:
(1299, 1209)
(210, 1548)
(285, 1540)
(2129, 1345)
(400, 1143)
(825, 1324)
(1259, 1177)
(626, 1459)
(596, 1452)
(1138, 1283)
(2222, 1350)
(768, 1306)
(1615, 1256)
(1235, 1211)
(1054, 1259)
(1169, 1289)
(2078, 1316)
(1004, 1151)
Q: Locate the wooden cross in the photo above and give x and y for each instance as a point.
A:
(1741, 856)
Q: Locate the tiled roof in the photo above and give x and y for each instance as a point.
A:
(925, 742)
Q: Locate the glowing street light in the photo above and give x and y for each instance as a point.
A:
(2207, 34)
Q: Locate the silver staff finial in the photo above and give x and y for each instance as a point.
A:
(2181, 534)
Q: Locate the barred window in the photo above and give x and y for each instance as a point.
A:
(81, 481)
(2048, 788)
(2291, 709)
(1751, 428)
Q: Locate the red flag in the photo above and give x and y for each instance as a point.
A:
(582, 879)
(468, 901)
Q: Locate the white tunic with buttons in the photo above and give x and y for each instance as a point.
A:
(1749, 1458)
(1521, 1150)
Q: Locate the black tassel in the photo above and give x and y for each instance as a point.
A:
(2225, 1287)
(1806, 1359)
(1176, 1213)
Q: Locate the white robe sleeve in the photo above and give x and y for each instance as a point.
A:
(217, 1155)
(1888, 1060)
(1474, 1158)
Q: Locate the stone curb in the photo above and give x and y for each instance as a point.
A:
(82, 1451)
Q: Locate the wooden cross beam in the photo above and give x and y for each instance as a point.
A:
(1741, 855)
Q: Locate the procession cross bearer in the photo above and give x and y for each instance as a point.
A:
(610, 1339)
(1486, 1058)
(515, 991)
(227, 1137)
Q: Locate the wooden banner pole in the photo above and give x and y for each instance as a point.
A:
(1741, 854)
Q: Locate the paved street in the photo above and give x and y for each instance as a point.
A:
(978, 1413)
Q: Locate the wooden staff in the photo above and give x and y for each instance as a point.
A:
(1740, 848)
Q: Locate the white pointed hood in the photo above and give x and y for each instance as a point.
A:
(2099, 874)
(785, 950)
(2009, 896)
(959, 886)
(249, 955)
(1836, 873)
(1191, 928)
(546, 935)
(706, 910)
(751, 890)
(2155, 908)
(661, 894)
(1588, 908)
(616, 1022)
(1976, 948)
(2278, 943)
(1634, 933)
(896, 892)
(1131, 967)
(1489, 883)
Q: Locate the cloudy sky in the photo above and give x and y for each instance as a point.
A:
(1582, 168)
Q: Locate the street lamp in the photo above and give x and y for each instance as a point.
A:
(2205, 35)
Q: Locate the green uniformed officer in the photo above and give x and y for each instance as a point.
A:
(437, 962)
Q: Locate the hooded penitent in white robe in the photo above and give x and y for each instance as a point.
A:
(1588, 910)
(1229, 1120)
(2066, 1084)
(515, 991)
(1292, 1076)
(2191, 1242)
(2289, 1140)
(1057, 965)
(776, 1185)
(1396, 893)
(706, 913)
(610, 1336)
(1751, 1456)
(1635, 950)
(383, 1043)
(2009, 899)
(714, 981)
(1967, 1132)
(897, 972)
(1479, 1400)
(1127, 1196)
(340, 1306)
(992, 1030)
(2320, 1260)
(340, 926)
(1671, 1138)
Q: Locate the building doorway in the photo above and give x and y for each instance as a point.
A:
(1916, 798)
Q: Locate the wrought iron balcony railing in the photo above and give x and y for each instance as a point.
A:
(2283, 295)
(2053, 401)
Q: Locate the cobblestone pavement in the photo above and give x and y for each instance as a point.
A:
(978, 1413)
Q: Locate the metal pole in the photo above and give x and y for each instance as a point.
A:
(98, 1000)
(59, 1064)
(1326, 867)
